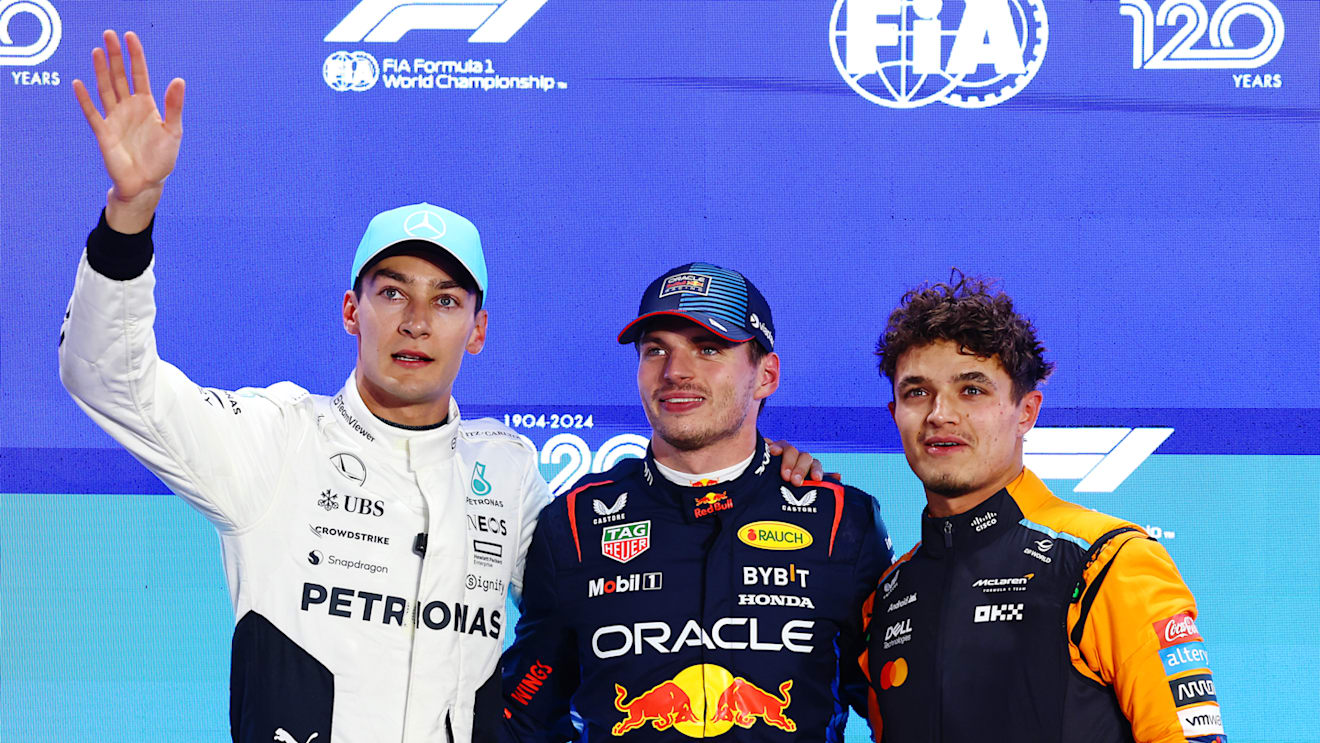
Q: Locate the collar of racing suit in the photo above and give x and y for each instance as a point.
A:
(417, 448)
(736, 492)
(970, 530)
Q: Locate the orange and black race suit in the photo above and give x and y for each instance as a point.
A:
(657, 612)
(1032, 619)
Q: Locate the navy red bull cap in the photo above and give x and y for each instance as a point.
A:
(718, 299)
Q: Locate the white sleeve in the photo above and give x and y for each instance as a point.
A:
(212, 447)
(535, 496)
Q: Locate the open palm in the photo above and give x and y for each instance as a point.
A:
(139, 147)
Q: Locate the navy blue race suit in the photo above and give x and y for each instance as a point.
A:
(653, 611)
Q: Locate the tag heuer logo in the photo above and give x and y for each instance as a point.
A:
(625, 541)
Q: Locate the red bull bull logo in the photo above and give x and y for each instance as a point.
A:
(704, 701)
(710, 503)
(744, 701)
(664, 706)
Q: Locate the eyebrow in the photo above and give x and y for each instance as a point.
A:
(967, 376)
(405, 279)
(650, 337)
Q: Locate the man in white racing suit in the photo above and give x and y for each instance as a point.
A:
(369, 537)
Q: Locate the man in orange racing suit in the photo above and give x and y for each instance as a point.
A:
(693, 593)
(1018, 617)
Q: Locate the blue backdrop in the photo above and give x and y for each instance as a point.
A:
(1154, 205)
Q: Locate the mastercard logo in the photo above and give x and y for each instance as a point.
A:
(893, 673)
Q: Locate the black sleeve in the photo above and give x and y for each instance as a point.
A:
(540, 667)
(117, 256)
(875, 556)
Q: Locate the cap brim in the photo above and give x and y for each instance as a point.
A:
(633, 329)
(399, 247)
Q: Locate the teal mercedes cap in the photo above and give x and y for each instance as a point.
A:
(450, 232)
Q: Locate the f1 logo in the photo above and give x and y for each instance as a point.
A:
(387, 21)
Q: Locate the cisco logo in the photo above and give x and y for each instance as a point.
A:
(911, 53)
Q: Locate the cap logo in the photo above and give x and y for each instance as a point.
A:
(685, 283)
(425, 225)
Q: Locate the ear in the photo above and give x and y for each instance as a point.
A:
(891, 411)
(477, 338)
(1028, 411)
(351, 313)
(768, 376)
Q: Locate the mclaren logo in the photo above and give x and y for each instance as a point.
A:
(386, 21)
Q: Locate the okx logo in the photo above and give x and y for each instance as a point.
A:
(386, 21)
(966, 53)
(48, 37)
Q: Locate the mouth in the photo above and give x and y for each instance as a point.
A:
(411, 359)
(943, 445)
(676, 402)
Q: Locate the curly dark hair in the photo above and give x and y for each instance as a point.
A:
(971, 312)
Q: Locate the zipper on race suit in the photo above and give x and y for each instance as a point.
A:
(419, 549)
(940, 623)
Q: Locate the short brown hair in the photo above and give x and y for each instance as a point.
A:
(968, 311)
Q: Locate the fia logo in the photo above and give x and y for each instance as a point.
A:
(355, 71)
(386, 21)
(966, 53)
(1191, 21)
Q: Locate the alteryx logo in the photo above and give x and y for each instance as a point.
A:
(1102, 458)
(386, 21)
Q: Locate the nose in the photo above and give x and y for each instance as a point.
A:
(415, 322)
(678, 368)
(942, 410)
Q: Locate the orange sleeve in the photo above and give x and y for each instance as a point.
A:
(1140, 638)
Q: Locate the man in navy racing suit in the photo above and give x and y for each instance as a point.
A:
(693, 593)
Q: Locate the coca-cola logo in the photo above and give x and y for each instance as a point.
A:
(1179, 628)
(1176, 629)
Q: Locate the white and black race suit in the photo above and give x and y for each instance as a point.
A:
(367, 564)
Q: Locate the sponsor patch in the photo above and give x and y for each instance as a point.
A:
(1195, 689)
(798, 504)
(997, 613)
(754, 575)
(609, 514)
(1203, 719)
(774, 599)
(985, 521)
(1176, 629)
(911, 598)
(487, 553)
(711, 502)
(1184, 657)
(624, 542)
(625, 584)
(685, 283)
(1000, 585)
(774, 535)
(898, 633)
(893, 673)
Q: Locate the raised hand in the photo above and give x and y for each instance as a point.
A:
(138, 146)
